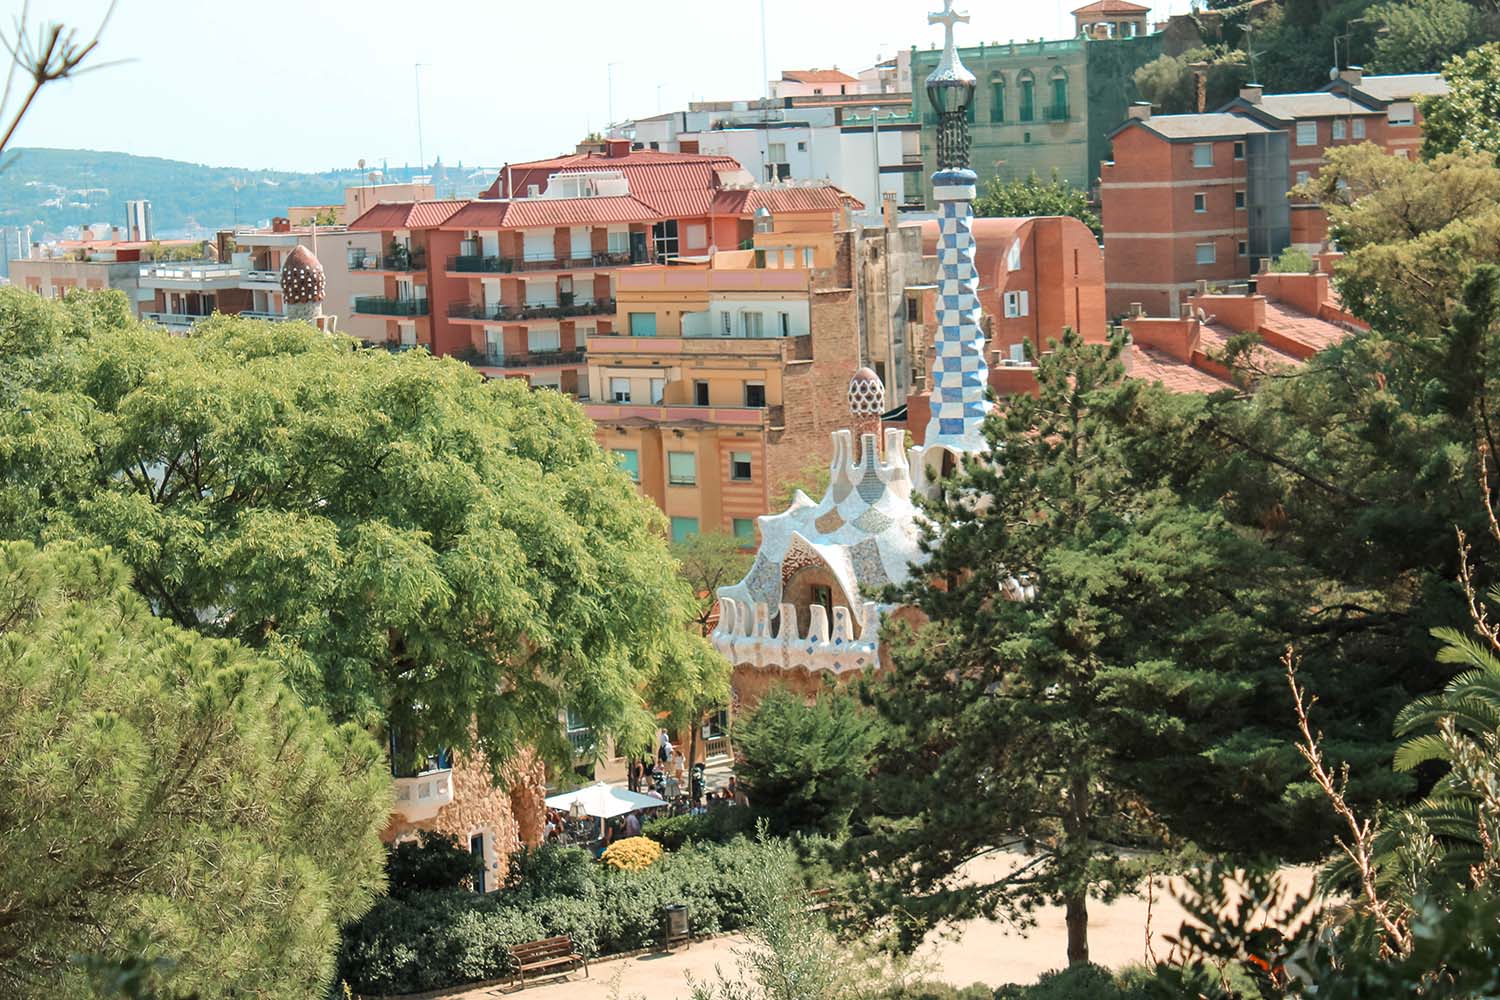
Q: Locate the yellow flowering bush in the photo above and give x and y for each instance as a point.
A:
(632, 854)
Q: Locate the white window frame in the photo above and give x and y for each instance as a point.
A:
(1017, 304)
(1213, 254)
(691, 477)
(1338, 130)
(1401, 113)
(1241, 200)
(1307, 133)
(749, 463)
(1303, 176)
(1200, 201)
(616, 393)
(1199, 151)
(1013, 256)
(1359, 128)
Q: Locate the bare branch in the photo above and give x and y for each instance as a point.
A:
(56, 53)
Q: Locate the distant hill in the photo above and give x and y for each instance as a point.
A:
(52, 189)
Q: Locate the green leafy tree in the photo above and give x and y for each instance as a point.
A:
(803, 765)
(706, 562)
(1420, 35)
(419, 548)
(1467, 118)
(1123, 696)
(165, 787)
(1034, 196)
(1170, 83)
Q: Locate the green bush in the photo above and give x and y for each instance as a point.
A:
(715, 826)
(430, 864)
(1293, 261)
(1078, 982)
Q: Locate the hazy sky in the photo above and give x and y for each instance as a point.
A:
(310, 84)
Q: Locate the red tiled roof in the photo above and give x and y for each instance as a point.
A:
(817, 76)
(1214, 340)
(746, 201)
(1315, 333)
(646, 170)
(1151, 364)
(992, 231)
(1113, 7)
(528, 212)
(407, 215)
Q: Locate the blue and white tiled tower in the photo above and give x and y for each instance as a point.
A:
(959, 372)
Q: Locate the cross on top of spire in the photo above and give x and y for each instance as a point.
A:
(948, 17)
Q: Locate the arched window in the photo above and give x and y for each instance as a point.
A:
(997, 97)
(1028, 96)
(1059, 110)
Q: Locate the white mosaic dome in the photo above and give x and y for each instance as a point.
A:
(866, 394)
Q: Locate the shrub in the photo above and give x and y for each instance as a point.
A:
(717, 826)
(1293, 261)
(632, 854)
(539, 872)
(430, 864)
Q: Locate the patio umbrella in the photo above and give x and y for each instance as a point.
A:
(604, 801)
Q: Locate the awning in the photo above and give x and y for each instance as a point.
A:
(604, 801)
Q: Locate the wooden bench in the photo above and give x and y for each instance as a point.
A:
(551, 953)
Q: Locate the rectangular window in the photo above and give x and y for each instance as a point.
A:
(1013, 256)
(726, 324)
(739, 466)
(619, 389)
(1028, 101)
(630, 460)
(754, 324)
(1401, 113)
(700, 393)
(684, 528)
(658, 388)
(1338, 129)
(697, 236)
(543, 341)
(755, 394)
(1206, 253)
(1359, 128)
(807, 256)
(744, 530)
(1244, 249)
(1303, 177)
(776, 152)
(1016, 305)
(784, 324)
(643, 324)
(1059, 100)
(1200, 203)
(1203, 154)
(619, 241)
(1239, 151)
(997, 103)
(581, 243)
(682, 468)
(913, 309)
(1239, 199)
(1307, 133)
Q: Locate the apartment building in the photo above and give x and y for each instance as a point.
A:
(1203, 197)
(101, 259)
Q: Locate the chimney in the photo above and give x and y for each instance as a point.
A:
(1140, 110)
(281, 224)
(1137, 310)
(1251, 92)
(1200, 86)
(888, 209)
(616, 148)
(1353, 75)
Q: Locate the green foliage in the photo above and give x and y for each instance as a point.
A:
(707, 561)
(435, 940)
(1170, 82)
(803, 766)
(1293, 261)
(163, 787)
(418, 547)
(431, 863)
(1420, 35)
(1467, 118)
(1034, 196)
(716, 826)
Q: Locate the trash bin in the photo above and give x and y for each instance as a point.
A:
(674, 924)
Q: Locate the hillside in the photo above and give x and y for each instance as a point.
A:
(51, 189)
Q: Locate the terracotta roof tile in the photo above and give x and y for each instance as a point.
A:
(1214, 340)
(817, 76)
(646, 170)
(1113, 7)
(1315, 333)
(1153, 365)
(745, 201)
(407, 215)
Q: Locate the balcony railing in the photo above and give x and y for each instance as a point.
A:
(499, 314)
(1056, 113)
(715, 747)
(421, 797)
(174, 319)
(535, 359)
(479, 264)
(272, 317)
(263, 276)
(375, 305)
(582, 741)
(414, 261)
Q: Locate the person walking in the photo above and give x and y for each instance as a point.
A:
(633, 825)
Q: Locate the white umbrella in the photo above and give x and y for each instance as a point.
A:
(604, 801)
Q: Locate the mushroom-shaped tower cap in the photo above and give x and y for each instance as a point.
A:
(866, 394)
(302, 277)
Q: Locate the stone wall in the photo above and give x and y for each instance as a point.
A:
(509, 815)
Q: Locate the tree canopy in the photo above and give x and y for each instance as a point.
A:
(167, 788)
(1467, 118)
(1034, 196)
(420, 548)
(1418, 36)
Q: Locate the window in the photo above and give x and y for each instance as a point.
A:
(744, 530)
(1359, 128)
(1239, 151)
(1013, 256)
(1307, 133)
(754, 324)
(1243, 249)
(755, 394)
(684, 528)
(807, 256)
(682, 468)
(784, 324)
(581, 243)
(801, 147)
(1025, 137)
(664, 234)
(1207, 253)
(1059, 110)
(643, 324)
(726, 324)
(700, 393)
(1203, 154)
(697, 236)
(630, 460)
(619, 241)
(1018, 354)
(1303, 177)
(1401, 113)
(1239, 199)
(619, 389)
(776, 152)
(1200, 202)
(1016, 305)
(1338, 129)
(1028, 98)
(739, 466)
(913, 309)
(658, 387)
(997, 101)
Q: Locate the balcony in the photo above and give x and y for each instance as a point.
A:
(670, 413)
(402, 262)
(174, 321)
(583, 743)
(191, 276)
(421, 797)
(796, 348)
(533, 359)
(269, 316)
(263, 276)
(375, 305)
(478, 264)
(512, 314)
(1056, 113)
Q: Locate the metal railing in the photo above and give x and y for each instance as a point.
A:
(263, 274)
(272, 317)
(415, 261)
(470, 310)
(376, 305)
(535, 359)
(174, 319)
(481, 264)
(582, 741)
(1056, 113)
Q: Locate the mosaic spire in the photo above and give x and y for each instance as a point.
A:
(959, 372)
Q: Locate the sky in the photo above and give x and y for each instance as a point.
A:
(316, 84)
